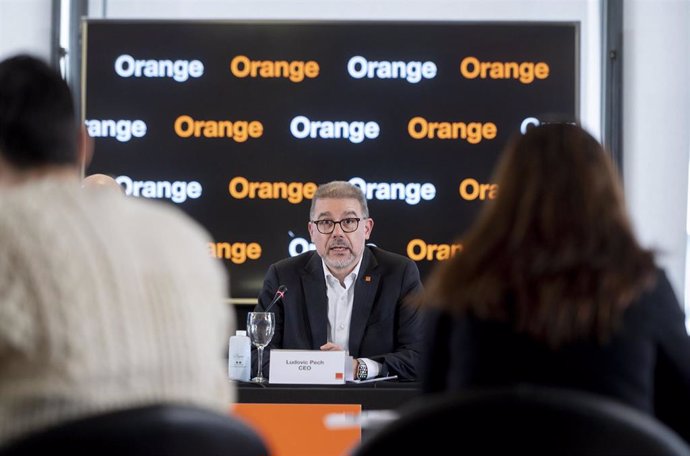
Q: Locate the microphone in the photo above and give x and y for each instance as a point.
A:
(280, 293)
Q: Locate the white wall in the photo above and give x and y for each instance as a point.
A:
(25, 28)
(656, 126)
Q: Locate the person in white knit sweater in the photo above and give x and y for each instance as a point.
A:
(106, 302)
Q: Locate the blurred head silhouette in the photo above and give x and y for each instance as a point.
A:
(101, 182)
(39, 132)
(554, 253)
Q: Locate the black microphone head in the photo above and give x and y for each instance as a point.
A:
(280, 293)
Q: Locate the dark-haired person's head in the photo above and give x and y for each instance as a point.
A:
(556, 180)
(555, 252)
(39, 131)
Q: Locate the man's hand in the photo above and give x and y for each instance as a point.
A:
(330, 346)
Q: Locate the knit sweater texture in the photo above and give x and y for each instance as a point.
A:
(106, 302)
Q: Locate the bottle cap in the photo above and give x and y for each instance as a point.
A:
(240, 333)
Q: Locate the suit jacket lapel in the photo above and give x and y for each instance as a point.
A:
(365, 292)
(316, 300)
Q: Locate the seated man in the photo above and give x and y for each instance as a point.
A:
(346, 295)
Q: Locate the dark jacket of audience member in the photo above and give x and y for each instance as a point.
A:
(552, 288)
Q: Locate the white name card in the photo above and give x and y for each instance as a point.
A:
(309, 367)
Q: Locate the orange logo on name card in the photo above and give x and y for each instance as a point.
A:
(339, 375)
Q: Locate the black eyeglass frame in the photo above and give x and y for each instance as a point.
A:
(338, 222)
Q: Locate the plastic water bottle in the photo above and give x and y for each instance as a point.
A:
(239, 357)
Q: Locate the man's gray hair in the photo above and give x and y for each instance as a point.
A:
(339, 190)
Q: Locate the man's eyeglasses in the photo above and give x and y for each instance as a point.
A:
(348, 225)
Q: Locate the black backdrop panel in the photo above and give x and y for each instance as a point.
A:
(126, 81)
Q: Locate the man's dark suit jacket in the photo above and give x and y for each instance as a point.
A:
(384, 327)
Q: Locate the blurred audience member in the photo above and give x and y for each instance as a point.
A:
(107, 302)
(553, 288)
(101, 182)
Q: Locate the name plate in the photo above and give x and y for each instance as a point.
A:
(309, 367)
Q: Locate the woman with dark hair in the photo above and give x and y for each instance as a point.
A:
(552, 287)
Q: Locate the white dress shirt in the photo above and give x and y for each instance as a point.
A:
(341, 296)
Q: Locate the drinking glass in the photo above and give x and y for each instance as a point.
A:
(260, 326)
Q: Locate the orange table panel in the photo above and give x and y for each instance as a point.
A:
(299, 429)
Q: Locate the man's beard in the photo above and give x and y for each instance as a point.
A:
(340, 262)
